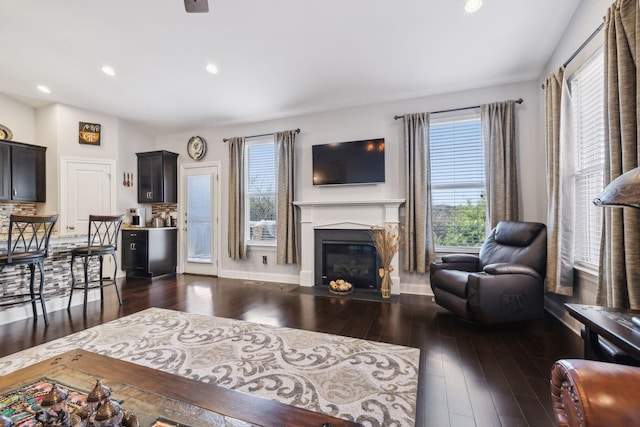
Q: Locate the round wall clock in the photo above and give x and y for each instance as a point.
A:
(197, 147)
(5, 133)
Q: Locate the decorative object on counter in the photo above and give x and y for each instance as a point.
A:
(197, 147)
(157, 222)
(387, 241)
(89, 133)
(340, 287)
(5, 133)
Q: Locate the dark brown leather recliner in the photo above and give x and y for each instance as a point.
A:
(504, 283)
(587, 393)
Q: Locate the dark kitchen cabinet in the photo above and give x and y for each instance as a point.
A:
(149, 252)
(157, 177)
(23, 175)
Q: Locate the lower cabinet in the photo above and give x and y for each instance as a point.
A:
(149, 252)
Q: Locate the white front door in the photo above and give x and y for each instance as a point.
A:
(198, 219)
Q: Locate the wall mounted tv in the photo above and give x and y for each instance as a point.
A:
(354, 162)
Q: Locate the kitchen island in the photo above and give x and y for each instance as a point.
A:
(57, 277)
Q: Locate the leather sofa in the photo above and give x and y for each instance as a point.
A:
(588, 393)
(504, 283)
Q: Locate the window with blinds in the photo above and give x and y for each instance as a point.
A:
(587, 103)
(457, 180)
(260, 190)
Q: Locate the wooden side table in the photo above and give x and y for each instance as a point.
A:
(612, 324)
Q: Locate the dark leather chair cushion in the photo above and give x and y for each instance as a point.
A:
(515, 242)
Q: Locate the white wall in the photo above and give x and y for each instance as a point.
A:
(371, 121)
(131, 141)
(19, 118)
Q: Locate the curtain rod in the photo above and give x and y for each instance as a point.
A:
(262, 134)
(582, 46)
(518, 101)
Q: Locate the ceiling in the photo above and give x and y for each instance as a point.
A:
(276, 58)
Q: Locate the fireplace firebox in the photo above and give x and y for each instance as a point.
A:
(346, 254)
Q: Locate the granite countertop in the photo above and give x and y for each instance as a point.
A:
(129, 227)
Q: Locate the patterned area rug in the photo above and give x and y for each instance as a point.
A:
(364, 381)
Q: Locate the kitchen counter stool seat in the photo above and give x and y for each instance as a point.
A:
(102, 241)
(28, 243)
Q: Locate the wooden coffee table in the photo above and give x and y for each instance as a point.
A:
(152, 394)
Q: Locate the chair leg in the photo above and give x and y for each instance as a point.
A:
(44, 307)
(73, 284)
(32, 269)
(101, 258)
(115, 271)
(85, 263)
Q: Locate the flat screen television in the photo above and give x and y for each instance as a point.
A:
(353, 162)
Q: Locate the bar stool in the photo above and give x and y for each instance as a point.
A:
(28, 243)
(102, 240)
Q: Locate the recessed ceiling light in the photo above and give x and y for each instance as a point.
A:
(43, 89)
(472, 5)
(212, 68)
(109, 71)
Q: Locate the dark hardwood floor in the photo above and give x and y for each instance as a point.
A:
(469, 375)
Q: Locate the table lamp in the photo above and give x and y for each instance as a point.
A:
(623, 191)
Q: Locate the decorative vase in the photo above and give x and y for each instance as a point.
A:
(385, 286)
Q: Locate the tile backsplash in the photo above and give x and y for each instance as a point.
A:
(17, 208)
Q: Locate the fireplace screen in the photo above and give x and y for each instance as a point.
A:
(355, 263)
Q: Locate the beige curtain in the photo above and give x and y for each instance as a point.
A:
(501, 165)
(560, 184)
(287, 248)
(619, 279)
(236, 237)
(418, 250)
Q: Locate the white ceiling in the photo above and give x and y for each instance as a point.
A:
(276, 58)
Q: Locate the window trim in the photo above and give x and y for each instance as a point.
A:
(467, 115)
(253, 141)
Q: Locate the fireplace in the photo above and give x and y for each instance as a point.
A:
(346, 254)
(341, 217)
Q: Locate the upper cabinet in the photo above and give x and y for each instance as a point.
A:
(23, 174)
(157, 177)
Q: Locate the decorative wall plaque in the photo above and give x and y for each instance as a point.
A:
(89, 133)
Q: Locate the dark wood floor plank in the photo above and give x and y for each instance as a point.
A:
(469, 374)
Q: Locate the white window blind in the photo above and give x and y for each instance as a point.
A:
(260, 182)
(457, 180)
(587, 99)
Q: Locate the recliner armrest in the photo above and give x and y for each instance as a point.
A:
(507, 268)
(460, 258)
(604, 394)
(462, 262)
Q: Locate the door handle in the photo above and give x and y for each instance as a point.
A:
(132, 246)
(15, 191)
(70, 227)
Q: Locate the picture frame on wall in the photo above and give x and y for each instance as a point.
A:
(89, 133)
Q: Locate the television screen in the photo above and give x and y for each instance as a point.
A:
(355, 162)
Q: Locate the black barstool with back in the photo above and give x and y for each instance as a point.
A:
(28, 243)
(102, 240)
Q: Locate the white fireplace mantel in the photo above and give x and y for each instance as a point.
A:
(357, 214)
